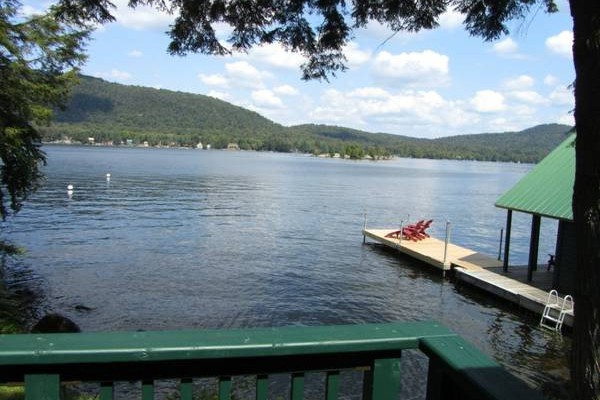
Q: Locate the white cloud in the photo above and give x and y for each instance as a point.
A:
(561, 44)
(562, 96)
(244, 74)
(567, 119)
(114, 75)
(370, 93)
(141, 17)
(380, 32)
(286, 90)
(528, 96)
(266, 98)
(392, 112)
(29, 11)
(550, 80)
(135, 54)
(214, 80)
(355, 56)
(219, 95)
(519, 83)
(505, 47)
(488, 101)
(451, 19)
(426, 68)
(275, 55)
(222, 31)
(501, 124)
(240, 74)
(523, 110)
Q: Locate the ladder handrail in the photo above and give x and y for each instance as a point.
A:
(562, 306)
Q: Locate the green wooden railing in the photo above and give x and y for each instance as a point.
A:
(457, 370)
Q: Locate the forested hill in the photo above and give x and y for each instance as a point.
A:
(110, 111)
(114, 113)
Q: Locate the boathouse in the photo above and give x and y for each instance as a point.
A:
(547, 192)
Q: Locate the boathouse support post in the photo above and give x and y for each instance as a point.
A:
(500, 246)
(507, 240)
(534, 244)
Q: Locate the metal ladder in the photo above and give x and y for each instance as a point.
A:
(555, 311)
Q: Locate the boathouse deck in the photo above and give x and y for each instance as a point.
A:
(469, 266)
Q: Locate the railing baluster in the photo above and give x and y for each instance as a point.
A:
(38, 386)
(367, 384)
(332, 385)
(185, 389)
(386, 378)
(107, 391)
(297, 389)
(262, 387)
(224, 388)
(148, 390)
(434, 379)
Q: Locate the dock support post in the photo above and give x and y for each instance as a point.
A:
(446, 242)
(500, 246)
(507, 240)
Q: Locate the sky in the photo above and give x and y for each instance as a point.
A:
(428, 84)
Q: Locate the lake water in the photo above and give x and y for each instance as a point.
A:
(216, 239)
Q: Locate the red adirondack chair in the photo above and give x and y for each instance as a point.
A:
(414, 232)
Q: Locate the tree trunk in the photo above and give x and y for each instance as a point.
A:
(585, 363)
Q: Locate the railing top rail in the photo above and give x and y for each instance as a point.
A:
(102, 347)
(477, 374)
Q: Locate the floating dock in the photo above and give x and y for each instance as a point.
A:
(468, 266)
(434, 251)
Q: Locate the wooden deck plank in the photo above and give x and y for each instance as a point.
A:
(477, 269)
(431, 251)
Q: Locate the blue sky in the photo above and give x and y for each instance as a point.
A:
(429, 84)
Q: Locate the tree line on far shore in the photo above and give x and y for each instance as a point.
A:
(116, 114)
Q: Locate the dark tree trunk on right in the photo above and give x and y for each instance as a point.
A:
(585, 367)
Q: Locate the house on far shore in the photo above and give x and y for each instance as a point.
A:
(547, 191)
(233, 146)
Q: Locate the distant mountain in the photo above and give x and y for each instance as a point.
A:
(114, 113)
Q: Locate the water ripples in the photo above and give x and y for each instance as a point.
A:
(186, 239)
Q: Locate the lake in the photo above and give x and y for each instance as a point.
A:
(218, 239)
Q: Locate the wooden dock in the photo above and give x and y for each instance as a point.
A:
(468, 266)
(432, 251)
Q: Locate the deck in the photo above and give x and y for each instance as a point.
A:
(477, 269)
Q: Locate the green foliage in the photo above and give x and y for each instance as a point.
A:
(10, 320)
(38, 60)
(113, 112)
(12, 392)
(317, 29)
(18, 393)
(10, 249)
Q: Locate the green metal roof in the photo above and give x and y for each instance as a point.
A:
(547, 190)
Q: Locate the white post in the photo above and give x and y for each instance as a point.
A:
(446, 241)
(400, 234)
(365, 228)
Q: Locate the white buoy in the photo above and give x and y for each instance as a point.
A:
(108, 177)
(70, 187)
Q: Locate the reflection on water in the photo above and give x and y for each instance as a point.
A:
(212, 239)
